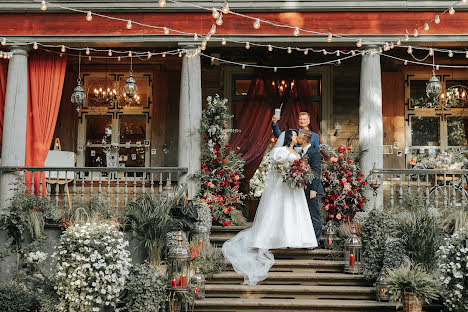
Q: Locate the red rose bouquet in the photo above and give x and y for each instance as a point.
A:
(298, 174)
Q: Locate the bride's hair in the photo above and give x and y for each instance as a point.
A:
(288, 137)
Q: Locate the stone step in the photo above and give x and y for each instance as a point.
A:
(316, 254)
(304, 265)
(289, 292)
(264, 305)
(294, 278)
(229, 229)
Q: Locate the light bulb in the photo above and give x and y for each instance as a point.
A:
(162, 3)
(426, 27)
(3, 41)
(208, 37)
(437, 67)
(219, 21)
(164, 54)
(119, 58)
(392, 46)
(466, 55)
(380, 50)
(410, 50)
(450, 53)
(35, 46)
(87, 51)
(406, 37)
(62, 49)
(306, 51)
(129, 53)
(437, 19)
(110, 52)
(296, 31)
(89, 58)
(338, 62)
(415, 33)
(338, 53)
(325, 52)
(89, 16)
(243, 66)
(256, 24)
(166, 30)
(270, 48)
(289, 50)
(180, 54)
(213, 29)
(149, 55)
(398, 42)
(451, 11)
(129, 24)
(406, 62)
(363, 53)
(330, 37)
(359, 43)
(307, 67)
(223, 42)
(353, 53)
(43, 5)
(275, 69)
(386, 47)
(247, 45)
(226, 9)
(203, 45)
(195, 37)
(431, 51)
(214, 13)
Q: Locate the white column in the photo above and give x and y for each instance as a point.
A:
(370, 120)
(14, 121)
(190, 111)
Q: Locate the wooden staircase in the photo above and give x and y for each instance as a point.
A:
(300, 280)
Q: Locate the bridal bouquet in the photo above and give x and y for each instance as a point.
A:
(298, 173)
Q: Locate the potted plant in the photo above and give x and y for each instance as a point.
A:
(412, 285)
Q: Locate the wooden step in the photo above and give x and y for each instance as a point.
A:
(289, 291)
(264, 305)
(293, 278)
(304, 265)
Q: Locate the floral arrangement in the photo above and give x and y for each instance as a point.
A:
(344, 185)
(453, 268)
(298, 174)
(92, 267)
(221, 166)
(450, 159)
(257, 182)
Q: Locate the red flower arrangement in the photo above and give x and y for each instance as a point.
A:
(298, 174)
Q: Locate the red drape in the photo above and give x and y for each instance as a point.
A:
(46, 75)
(3, 81)
(267, 92)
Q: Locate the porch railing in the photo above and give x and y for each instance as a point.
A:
(440, 188)
(116, 186)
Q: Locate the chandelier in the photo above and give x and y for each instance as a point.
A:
(108, 96)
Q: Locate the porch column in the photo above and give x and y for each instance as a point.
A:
(190, 111)
(14, 121)
(370, 120)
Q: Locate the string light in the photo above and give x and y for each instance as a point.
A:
(426, 27)
(466, 55)
(89, 58)
(359, 43)
(431, 51)
(118, 58)
(451, 10)
(129, 24)
(214, 13)
(195, 37)
(416, 33)
(450, 53)
(306, 51)
(166, 31)
(226, 8)
(410, 50)
(256, 24)
(243, 66)
(398, 42)
(149, 55)
(219, 21)
(307, 67)
(35, 46)
(4, 41)
(406, 62)
(406, 37)
(270, 48)
(330, 37)
(289, 50)
(275, 69)
(87, 51)
(247, 45)
(338, 62)
(164, 54)
(130, 54)
(162, 3)
(296, 31)
(63, 49)
(180, 54)
(43, 5)
(353, 53)
(338, 53)
(325, 52)
(392, 46)
(223, 42)
(437, 67)
(213, 30)
(110, 52)
(89, 16)
(437, 19)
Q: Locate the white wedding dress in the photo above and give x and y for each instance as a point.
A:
(282, 220)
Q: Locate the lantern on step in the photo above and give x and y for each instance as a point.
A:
(381, 291)
(352, 253)
(201, 237)
(198, 284)
(329, 236)
(178, 269)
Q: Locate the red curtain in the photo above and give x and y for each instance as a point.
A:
(46, 76)
(267, 92)
(3, 81)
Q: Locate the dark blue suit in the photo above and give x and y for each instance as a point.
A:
(315, 158)
(314, 142)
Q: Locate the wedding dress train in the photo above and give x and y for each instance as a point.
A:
(282, 220)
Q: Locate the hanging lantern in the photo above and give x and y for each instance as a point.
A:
(329, 236)
(78, 96)
(375, 180)
(178, 269)
(198, 283)
(130, 87)
(381, 289)
(433, 87)
(352, 253)
(201, 237)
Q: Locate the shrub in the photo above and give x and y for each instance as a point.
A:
(213, 263)
(15, 298)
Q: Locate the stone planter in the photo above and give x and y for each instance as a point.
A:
(412, 303)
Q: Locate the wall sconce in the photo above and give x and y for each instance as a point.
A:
(337, 128)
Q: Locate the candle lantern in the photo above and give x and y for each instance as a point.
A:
(201, 237)
(375, 180)
(329, 236)
(198, 284)
(130, 88)
(352, 253)
(381, 289)
(178, 269)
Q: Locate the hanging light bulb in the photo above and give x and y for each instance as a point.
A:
(109, 52)
(130, 54)
(225, 8)
(353, 53)
(329, 37)
(89, 58)
(415, 33)
(164, 54)
(270, 48)
(247, 45)
(466, 55)
(129, 24)
(437, 67)
(180, 54)
(87, 51)
(219, 21)
(213, 30)
(62, 49)
(306, 51)
(119, 58)
(35, 46)
(307, 67)
(450, 53)
(338, 53)
(256, 24)
(243, 66)
(363, 53)
(275, 69)
(359, 43)
(410, 50)
(431, 51)
(451, 11)
(203, 45)
(338, 62)
(195, 37)
(406, 63)
(149, 55)
(392, 46)
(162, 3)
(166, 31)
(214, 13)
(324, 52)
(223, 42)
(296, 31)
(406, 37)
(289, 50)
(437, 19)
(43, 5)
(4, 41)
(89, 16)
(386, 46)
(380, 50)
(208, 37)
(426, 27)
(398, 42)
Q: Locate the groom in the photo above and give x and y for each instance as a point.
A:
(303, 120)
(314, 190)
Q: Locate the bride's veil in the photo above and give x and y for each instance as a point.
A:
(280, 141)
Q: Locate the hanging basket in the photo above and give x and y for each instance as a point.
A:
(411, 303)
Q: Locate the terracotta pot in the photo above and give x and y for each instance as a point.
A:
(412, 303)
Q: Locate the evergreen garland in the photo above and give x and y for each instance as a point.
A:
(221, 166)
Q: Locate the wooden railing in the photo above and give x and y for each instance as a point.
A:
(440, 188)
(116, 186)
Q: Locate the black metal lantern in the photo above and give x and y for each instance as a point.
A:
(433, 87)
(78, 96)
(198, 283)
(381, 289)
(130, 87)
(178, 269)
(329, 236)
(352, 253)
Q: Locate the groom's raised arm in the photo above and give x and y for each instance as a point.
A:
(274, 126)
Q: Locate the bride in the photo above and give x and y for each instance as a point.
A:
(282, 220)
